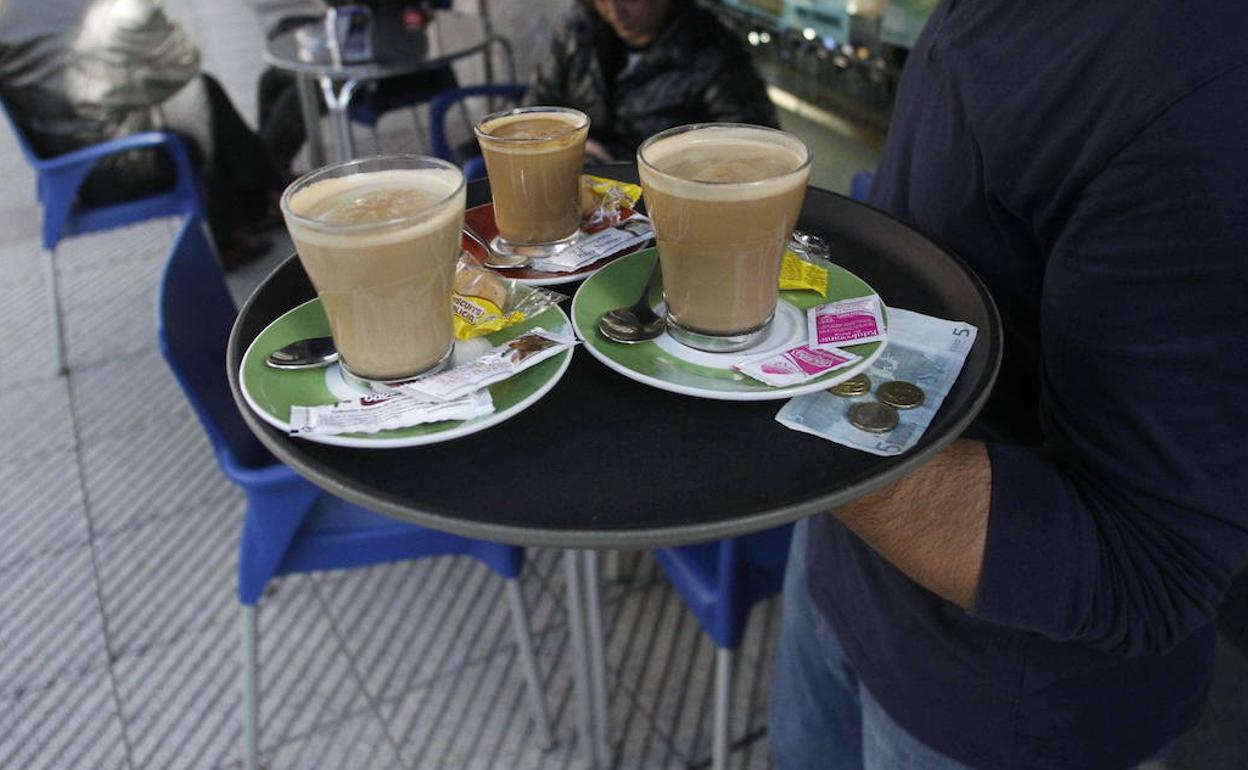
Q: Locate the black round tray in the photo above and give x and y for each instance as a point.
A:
(605, 462)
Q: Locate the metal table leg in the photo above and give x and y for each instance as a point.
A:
(337, 101)
(589, 673)
(578, 641)
(597, 660)
(308, 107)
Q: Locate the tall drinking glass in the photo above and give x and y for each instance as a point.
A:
(533, 157)
(379, 238)
(724, 198)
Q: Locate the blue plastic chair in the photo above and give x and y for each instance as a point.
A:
(860, 185)
(290, 525)
(59, 178)
(474, 167)
(720, 582)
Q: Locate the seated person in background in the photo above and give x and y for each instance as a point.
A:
(637, 67)
(80, 72)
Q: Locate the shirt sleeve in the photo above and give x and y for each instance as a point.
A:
(1124, 530)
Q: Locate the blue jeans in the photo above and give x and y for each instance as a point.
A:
(822, 718)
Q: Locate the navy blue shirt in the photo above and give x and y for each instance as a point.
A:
(1090, 161)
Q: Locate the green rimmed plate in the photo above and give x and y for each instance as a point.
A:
(666, 364)
(271, 392)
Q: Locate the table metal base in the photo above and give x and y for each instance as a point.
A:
(589, 673)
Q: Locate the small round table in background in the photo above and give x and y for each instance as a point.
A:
(447, 36)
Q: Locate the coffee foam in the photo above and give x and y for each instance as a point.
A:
(533, 146)
(438, 183)
(717, 143)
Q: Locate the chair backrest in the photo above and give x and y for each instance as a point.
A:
(60, 177)
(860, 185)
(443, 102)
(194, 315)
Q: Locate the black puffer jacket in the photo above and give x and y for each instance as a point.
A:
(695, 71)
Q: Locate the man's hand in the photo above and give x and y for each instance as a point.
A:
(932, 525)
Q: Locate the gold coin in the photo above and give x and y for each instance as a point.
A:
(873, 417)
(859, 385)
(900, 395)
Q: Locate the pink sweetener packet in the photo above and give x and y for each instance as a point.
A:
(796, 365)
(847, 322)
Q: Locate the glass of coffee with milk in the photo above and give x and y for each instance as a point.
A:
(724, 198)
(379, 238)
(533, 157)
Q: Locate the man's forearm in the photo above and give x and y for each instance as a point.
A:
(932, 524)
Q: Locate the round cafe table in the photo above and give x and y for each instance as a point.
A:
(445, 38)
(602, 461)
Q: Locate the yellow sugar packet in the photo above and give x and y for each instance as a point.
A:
(603, 188)
(476, 317)
(798, 273)
(484, 301)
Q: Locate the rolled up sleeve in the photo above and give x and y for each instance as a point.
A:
(1124, 529)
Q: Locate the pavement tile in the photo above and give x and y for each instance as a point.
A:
(658, 655)
(118, 398)
(154, 470)
(358, 743)
(409, 622)
(50, 627)
(20, 217)
(41, 508)
(478, 717)
(182, 701)
(21, 252)
(168, 578)
(72, 724)
(36, 421)
(108, 296)
(29, 350)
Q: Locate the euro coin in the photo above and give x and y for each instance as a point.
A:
(873, 417)
(900, 395)
(859, 385)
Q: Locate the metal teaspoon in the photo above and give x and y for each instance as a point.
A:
(311, 353)
(638, 322)
(492, 257)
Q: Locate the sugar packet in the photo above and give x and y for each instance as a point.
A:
(385, 411)
(797, 272)
(501, 362)
(631, 230)
(795, 365)
(847, 322)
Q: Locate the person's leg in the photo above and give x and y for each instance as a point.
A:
(822, 718)
(815, 721)
(238, 178)
(282, 130)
